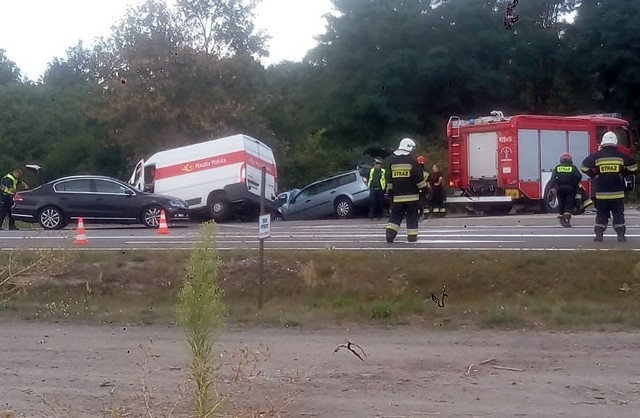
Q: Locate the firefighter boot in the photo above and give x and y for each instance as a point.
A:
(567, 220)
(563, 221)
(599, 233)
(390, 235)
(412, 238)
(620, 230)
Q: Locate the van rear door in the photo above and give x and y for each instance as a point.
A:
(271, 188)
(253, 171)
(137, 177)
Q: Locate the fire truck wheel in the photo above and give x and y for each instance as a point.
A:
(550, 200)
(218, 207)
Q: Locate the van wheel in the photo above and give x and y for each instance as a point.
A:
(344, 208)
(550, 199)
(219, 207)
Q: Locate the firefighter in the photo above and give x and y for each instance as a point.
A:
(437, 192)
(566, 178)
(377, 185)
(607, 167)
(405, 182)
(8, 188)
(583, 201)
(424, 197)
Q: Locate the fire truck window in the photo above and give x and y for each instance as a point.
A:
(624, 137)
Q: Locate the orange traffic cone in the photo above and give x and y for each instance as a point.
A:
(163, 228)
(81, 237)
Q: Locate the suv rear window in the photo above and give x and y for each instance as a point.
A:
(349, 178)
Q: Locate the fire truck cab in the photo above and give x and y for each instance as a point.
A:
(496, 161)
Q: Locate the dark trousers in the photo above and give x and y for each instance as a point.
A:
(6, 201)
(437, 200)
(376, 203)
(398, 213)
(615, 207)
(566, 200)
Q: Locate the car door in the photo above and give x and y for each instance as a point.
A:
(300, 205)
(74, 197)
(312, 201)
(115, 201)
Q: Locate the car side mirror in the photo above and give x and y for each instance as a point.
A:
(128, 192)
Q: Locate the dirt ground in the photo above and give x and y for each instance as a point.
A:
(70, 370)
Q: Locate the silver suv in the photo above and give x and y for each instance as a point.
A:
(341, 195)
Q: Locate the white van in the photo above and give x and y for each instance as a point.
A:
(221, 176)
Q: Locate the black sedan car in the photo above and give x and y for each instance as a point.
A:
(96, 199)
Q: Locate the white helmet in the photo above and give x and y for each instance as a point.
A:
(609, 139)
(406, 146)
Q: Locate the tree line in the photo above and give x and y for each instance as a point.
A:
(171, 74)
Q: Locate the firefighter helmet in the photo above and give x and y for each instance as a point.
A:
(609, 139)
(421, 160)
(566, 158)
(405, 147)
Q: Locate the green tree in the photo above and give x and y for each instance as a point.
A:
(605, 56)
(9, 71)
(222, 28)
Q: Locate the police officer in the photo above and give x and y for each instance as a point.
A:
(608, 166)
(377, 185)
(566, 178)
(8, 187)
(405, 182)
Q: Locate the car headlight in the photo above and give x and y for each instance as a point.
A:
(179, 204)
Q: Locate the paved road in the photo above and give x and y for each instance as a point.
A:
(518, 232)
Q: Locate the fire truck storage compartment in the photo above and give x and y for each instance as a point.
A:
(483, 155)
(539, 152)
(528, 155)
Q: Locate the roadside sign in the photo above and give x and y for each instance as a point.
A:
(264, 226)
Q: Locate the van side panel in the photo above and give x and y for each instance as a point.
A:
(232, 164)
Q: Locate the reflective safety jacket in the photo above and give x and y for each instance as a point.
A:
(405, 179)
(9, 184)
(609, 166)
(566, 176)
(383, 180)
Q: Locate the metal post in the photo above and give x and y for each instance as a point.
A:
(261, 251)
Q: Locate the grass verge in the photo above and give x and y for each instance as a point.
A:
(486, 289)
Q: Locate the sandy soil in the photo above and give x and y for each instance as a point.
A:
(67, 370)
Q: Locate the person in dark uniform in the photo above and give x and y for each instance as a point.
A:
(424, 197)
(437, 192)
(565, 178)
(607, 167)
(405, 182)
(377, 185)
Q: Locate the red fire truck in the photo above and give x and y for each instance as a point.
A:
(496, 161)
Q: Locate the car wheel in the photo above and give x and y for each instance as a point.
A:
(344, 208)
(51, 218)
(550, 199)
(277, 216)
(151, 216)
(219, 207)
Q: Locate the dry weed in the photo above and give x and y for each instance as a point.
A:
(309, 275)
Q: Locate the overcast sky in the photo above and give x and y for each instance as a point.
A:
(33, 32)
